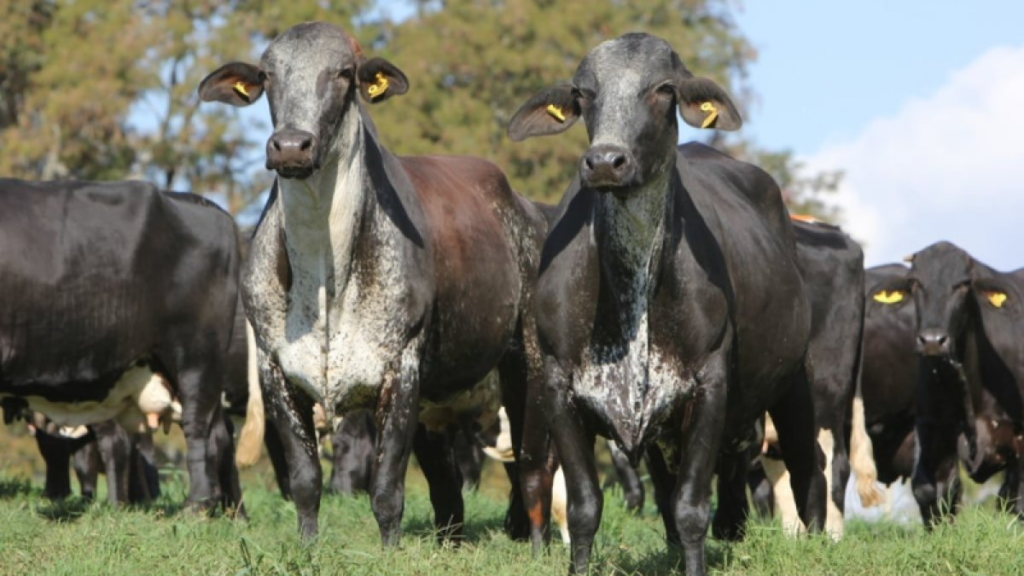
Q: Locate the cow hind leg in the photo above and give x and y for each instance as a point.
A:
(629, 477)
(56, 453)
(793, 417)
(435, 454)
(87, 464)
(278, 461)
(732, 512)
(664, 485)
(532, 473)
(115, 451)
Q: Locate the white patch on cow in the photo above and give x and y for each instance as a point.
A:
(779, 477)
(775, 471)
(560, 504)
(338, 329)
(632, 378)
(137, 393)
(833, 517)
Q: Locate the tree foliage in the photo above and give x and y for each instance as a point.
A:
(106, 89)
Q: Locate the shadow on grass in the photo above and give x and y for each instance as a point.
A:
(67, 510)
(11, 488)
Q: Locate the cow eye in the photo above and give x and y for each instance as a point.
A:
(666, 89)
(345, 73)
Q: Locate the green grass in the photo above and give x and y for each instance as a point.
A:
(76, 538)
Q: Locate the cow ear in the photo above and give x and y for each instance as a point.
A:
(237, 83)
(703, 104)
(550, 111)
(380, 80)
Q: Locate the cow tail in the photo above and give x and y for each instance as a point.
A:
(250, 440)
(862, 460)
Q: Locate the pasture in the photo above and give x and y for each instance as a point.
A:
(74, 537)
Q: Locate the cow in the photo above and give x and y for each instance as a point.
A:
(889, 370)
(969, 329)
(107, 284)
(128, 460)
(832, 266)
(671, 312)
(383, 282)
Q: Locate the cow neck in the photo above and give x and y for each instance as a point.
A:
(322, 214)
(630, 232)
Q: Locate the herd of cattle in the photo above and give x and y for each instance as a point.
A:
(669, 303)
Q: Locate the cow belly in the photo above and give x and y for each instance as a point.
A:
(137, 394)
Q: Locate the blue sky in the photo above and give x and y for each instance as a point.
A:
(921, 103)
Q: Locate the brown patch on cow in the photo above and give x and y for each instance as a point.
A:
(536, 514)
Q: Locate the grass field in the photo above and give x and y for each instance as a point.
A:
(78, 538)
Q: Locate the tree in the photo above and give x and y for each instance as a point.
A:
(471, 63)
(106, 89)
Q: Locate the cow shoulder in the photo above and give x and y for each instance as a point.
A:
(567, 289)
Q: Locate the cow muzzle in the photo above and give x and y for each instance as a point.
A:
(607, 167)
(292, 153)
(933, 342)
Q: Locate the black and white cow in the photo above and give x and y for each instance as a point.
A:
(382, 282)
(970, 391)
(107, 284)
(671, 312)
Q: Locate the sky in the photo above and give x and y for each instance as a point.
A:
(920, 103)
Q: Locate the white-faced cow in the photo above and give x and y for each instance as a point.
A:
(106, 284)
(671, 313)
(970, 391)
(377, 281)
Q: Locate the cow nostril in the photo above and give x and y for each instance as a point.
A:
(589, 162)
(942, 340)
(306, 144)
(618, 162)
(276, 145)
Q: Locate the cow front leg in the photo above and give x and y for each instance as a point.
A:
(936, 482)
(576, 451)
(397, 415)
(291, 412)
(629, 477)
(700, 441)
(793, 416)
(435, 453)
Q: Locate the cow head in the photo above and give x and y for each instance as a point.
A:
(627, 90)
(311, 74)
(940, 277)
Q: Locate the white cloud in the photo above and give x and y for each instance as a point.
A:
(946, 167)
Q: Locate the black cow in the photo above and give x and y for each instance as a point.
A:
(382, 282)
(832, 266)
(970, 325)
(889, 370)
(671, 309)
(105, 284)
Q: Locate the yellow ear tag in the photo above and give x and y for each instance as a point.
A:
(556, 113)
(996, 299)
(712, 113)
(886, 297)
(378, 88)
(241, 89)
